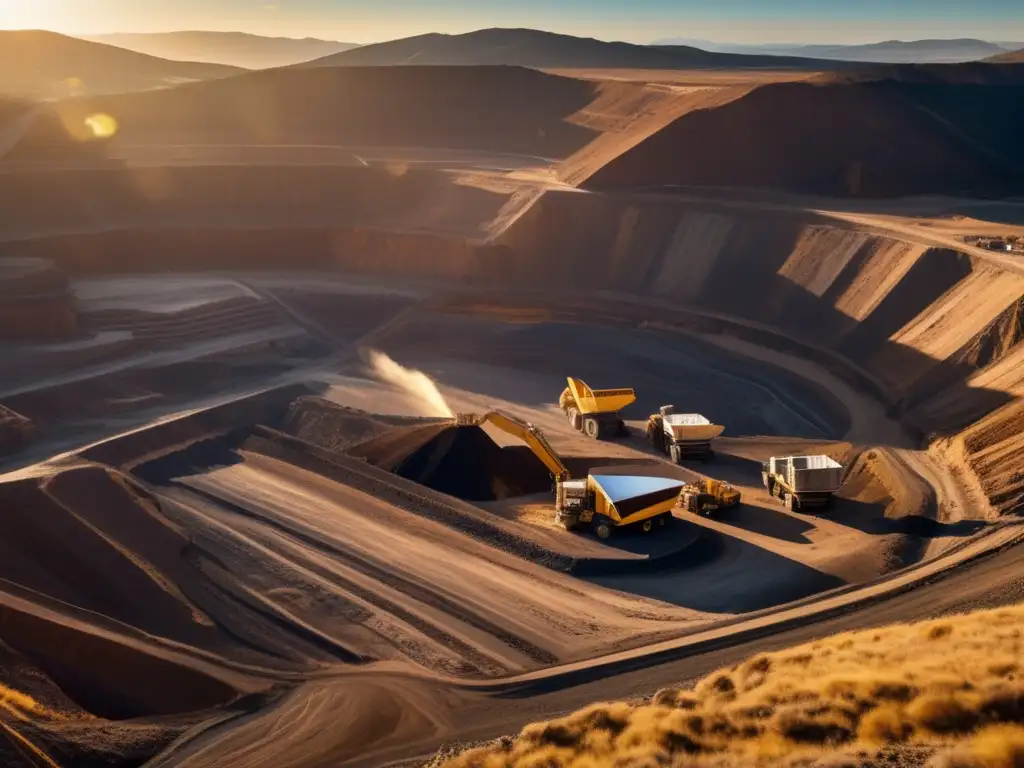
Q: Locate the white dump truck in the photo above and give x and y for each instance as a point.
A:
(802, 481)
(682, 436)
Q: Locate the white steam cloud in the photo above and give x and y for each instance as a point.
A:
(416, 383)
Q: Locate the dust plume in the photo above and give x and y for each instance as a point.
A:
(416, 383)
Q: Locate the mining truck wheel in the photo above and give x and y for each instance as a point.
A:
(648, 525)
(676, 454)
(592, 428)
(603, 531)
(575, 419)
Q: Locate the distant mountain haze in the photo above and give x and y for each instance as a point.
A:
(1010, 57)
(46, 65)
(886, 52)
(235, 49)
(547, 50)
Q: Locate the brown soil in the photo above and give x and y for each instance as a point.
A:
(336, 427)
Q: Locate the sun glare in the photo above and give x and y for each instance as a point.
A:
(17, 14)
(101, 126)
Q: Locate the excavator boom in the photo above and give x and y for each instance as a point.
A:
(526, 432)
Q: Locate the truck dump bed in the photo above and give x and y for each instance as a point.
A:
(592, 401)
(809, 474)
(692, 427)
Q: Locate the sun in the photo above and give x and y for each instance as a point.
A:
(32, 14)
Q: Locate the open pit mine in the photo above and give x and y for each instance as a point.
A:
(288, 472)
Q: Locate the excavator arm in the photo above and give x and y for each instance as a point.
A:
(526, 432)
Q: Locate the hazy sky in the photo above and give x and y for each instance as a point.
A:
(635, 20)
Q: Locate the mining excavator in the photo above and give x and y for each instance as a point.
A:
(682, 436)
(595, 412)
(603, 502)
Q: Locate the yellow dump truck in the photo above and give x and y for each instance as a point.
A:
(595, 412)
(602, 502)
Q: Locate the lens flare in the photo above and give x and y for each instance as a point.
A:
(101, 126)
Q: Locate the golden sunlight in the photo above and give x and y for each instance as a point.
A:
(101, 126)
(19, 14)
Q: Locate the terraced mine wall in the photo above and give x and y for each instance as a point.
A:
(112, 197)
(932, 332)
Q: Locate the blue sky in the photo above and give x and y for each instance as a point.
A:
(634, 20)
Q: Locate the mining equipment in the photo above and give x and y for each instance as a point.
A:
(595, 412)
(682, 436)
(708, 495)
(603, 502)
(802, 481)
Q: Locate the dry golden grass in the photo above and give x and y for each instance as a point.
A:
(956, 684)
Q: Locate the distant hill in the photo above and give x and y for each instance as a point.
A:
(893, 131)
(45, 65)
(546, 50)
(235, 49)
(504, 109)
(917, 51)
(888, 52)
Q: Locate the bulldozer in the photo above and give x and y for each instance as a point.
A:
(595, 412)
(605, 503)
(707, 495)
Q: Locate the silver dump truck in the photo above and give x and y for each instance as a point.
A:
(802, 481)
(682, 436)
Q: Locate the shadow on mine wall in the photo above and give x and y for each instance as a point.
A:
(577, 241)
(572, 246)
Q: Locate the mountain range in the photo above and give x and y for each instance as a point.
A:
(548, 50)
(235, 49)
(887, 52)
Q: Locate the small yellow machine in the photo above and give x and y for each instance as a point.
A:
(603, 502)
(595, 412)
(708, 495)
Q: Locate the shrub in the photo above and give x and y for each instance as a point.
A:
(922, 686)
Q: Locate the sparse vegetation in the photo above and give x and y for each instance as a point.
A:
(950, 691)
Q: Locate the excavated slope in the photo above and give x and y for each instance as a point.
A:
(459, 461)
(861, 139)
(235, 197)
